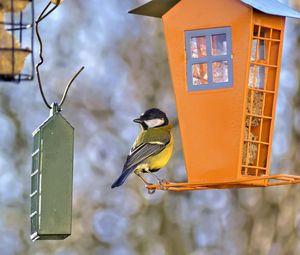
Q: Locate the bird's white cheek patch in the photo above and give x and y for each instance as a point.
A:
(154, 122)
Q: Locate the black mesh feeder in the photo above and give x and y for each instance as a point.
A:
(16, 40)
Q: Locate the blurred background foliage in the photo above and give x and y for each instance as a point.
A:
(126, 73)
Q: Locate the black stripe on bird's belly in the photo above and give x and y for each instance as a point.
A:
(151, 170)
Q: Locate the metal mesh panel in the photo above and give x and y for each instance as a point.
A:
(16, 40)
(260, 100)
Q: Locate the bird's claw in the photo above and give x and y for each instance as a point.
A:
(151, 191)
(162, 184)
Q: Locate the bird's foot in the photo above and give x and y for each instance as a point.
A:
(147, 184)
(162, 184)
(151, 191)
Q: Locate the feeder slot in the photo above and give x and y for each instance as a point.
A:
(34, 195)
(264, 65)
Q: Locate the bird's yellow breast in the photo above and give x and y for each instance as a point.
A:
(161, 159)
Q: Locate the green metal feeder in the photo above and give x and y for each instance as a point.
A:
(52, 178)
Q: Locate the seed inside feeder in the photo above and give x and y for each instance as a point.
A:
(18, 5)
(12, 58)
(250, 148)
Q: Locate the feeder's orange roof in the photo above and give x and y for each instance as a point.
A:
(157, 8)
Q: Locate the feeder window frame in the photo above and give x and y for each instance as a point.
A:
(209, 59)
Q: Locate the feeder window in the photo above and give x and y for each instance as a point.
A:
(198, 47)
(219, 44)
(209, 58)
(199, 74)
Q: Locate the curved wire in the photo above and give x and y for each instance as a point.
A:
(42, 16)
(68, 87)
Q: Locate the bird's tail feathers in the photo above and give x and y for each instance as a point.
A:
(122, 177)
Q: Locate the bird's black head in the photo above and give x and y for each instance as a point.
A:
(152, 118)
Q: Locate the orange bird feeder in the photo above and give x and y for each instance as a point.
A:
(225, 58)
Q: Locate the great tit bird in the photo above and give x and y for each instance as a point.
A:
(152, 148)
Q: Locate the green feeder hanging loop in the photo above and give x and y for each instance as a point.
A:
(55, 108)
(52, 166)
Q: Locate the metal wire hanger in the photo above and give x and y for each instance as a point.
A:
(42, 16)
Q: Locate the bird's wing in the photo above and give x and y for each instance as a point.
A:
(142, 152)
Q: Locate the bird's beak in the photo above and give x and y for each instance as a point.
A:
(138, 120)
